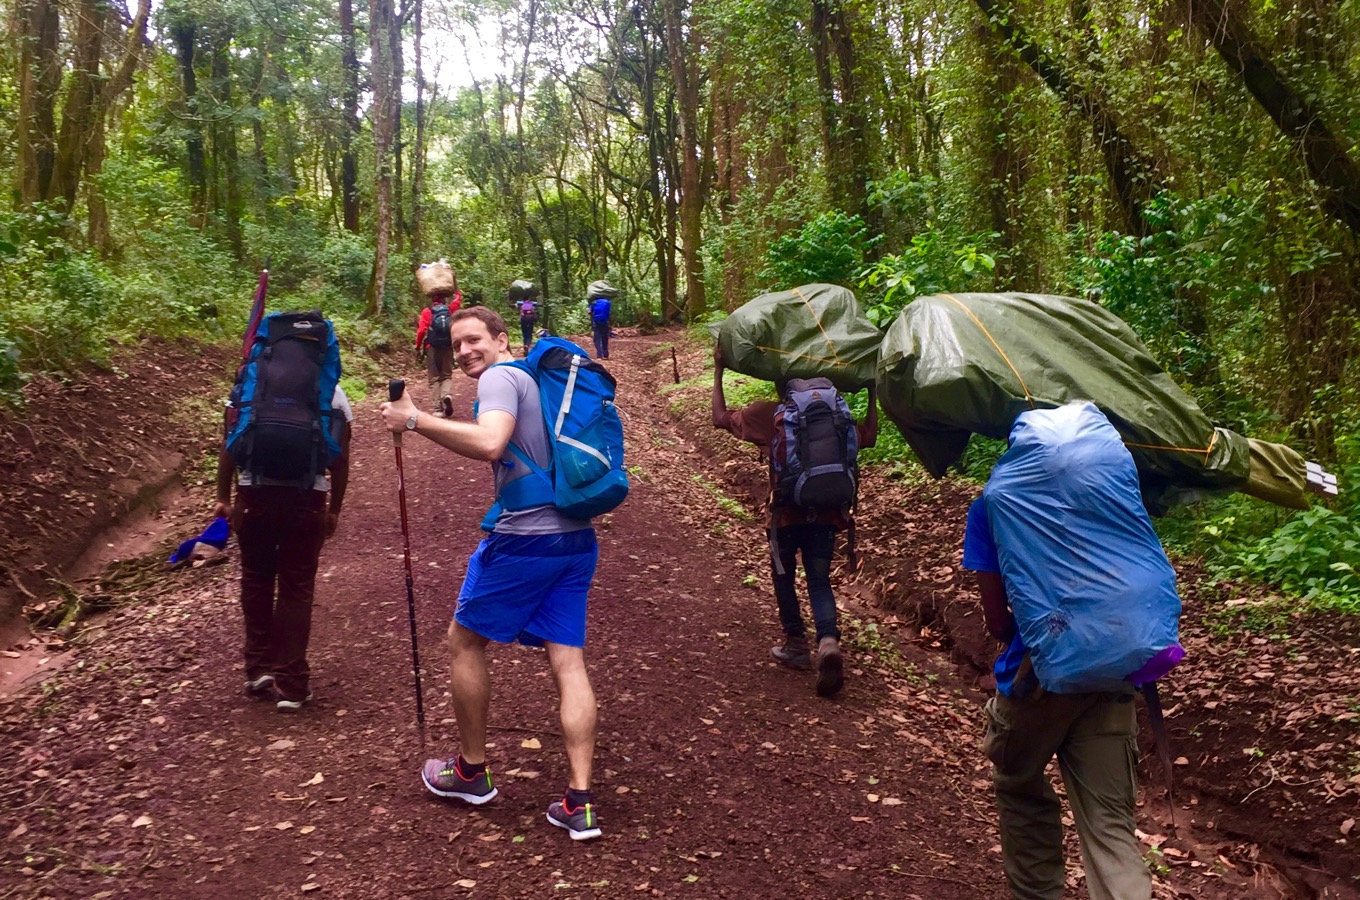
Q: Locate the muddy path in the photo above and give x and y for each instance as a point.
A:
(140, 769)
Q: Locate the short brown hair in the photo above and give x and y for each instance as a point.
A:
(495, 325)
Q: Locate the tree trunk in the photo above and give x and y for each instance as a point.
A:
(1294, 113)
(845, 129)
(224, 146)
(39, 81)
(185, 35)
(397, 74)
(418, 154)
(99, 234)
(81, 107)
(381, 21)
(682, 52)
(349, 126)
(1009, 165)
(1132, 175)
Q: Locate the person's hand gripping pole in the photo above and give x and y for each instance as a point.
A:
(395, 388)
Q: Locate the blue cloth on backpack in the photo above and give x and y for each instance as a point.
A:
(215, 534)
(1093, 593)
(600, 309)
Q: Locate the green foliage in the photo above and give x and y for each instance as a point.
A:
(1312, 555)
(830, 249)
(932, 262)
(727, 504)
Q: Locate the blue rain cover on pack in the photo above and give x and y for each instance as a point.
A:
(1092, 591)
(587, 477)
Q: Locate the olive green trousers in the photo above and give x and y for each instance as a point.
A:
(1093, 737)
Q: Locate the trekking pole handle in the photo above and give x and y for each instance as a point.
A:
(395, 388)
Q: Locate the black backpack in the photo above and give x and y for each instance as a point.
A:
(438, 335)
(283, 426)
(815, 446)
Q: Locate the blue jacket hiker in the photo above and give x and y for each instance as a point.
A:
(598, 296)
(527, 581)
(1075, 583)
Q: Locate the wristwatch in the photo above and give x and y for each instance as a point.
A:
(411, 422)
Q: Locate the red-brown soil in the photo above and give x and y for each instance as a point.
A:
(141, 770)
(87, 451)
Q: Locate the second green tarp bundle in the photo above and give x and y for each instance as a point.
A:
(955, 364)
(815, 330)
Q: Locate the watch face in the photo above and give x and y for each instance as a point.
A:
(411, 422)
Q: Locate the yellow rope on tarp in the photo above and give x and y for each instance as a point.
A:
(1204, 451)
(820, 359)
(1196, 450)
(988, 335)
(799, 294)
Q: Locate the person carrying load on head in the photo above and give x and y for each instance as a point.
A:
(1075, 582)
(598, 297)
(812, 443)
(434, 347)
(523, 297)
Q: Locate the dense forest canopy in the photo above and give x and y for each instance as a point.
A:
(1191, 164)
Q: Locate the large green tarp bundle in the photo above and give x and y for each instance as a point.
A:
(955, 364)
(816, 330)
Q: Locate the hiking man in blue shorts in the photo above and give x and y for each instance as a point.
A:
(527, 581)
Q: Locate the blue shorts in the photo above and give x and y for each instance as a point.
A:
(529, 588)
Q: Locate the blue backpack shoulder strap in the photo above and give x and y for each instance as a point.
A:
(535, 489)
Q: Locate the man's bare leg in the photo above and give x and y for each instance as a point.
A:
(471, 685)
(577, 700)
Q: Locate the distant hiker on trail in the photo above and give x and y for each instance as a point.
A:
(1075, 582)
(433, 347)
(288, 424)
(811, 422)
(598, 297)
(528, 579)
(523, 296)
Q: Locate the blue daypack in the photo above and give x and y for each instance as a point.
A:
(284, 427)
(1093, 593)
(599, 310)
(586, 478)
(815, 450)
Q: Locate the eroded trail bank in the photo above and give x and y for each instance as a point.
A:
(141, 769)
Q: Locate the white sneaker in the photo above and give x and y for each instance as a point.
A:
(293, 705)
(261, 688)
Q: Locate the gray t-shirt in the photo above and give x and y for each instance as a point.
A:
(339, 403)
(513, 390)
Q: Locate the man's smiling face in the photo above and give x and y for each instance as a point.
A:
(474, 348)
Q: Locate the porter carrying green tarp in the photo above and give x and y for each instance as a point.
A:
(954, 364)
(812, 331)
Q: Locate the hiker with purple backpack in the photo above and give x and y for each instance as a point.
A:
(811, 442)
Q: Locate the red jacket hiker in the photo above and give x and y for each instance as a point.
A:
(426, 316)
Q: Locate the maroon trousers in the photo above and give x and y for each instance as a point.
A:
(281, 530)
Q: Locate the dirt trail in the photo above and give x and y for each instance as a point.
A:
(143, 771)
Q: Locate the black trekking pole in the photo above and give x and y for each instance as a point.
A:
(395, 388)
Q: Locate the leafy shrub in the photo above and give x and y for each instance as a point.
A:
(1315, 556)
(932, 262)
(830, 248)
